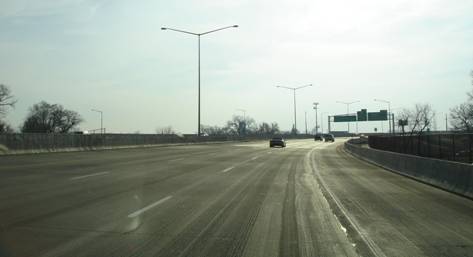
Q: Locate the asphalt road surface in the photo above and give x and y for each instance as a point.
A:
(232, 199)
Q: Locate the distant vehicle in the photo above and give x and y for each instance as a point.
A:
(277, 141)
(329, 137)
(318, 137)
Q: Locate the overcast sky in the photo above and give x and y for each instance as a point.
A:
(112, 56)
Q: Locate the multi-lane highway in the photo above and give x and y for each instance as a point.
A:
(231, 199)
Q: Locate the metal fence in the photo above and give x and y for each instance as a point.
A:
(453, 147)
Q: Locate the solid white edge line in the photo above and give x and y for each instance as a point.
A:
(90, 175)
(140, 211)
(228, 169)
(372, 246)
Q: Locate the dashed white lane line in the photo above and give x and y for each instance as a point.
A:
(254, 158)
(175, 160)
(228, 169)
(90, 175)
(140, 211)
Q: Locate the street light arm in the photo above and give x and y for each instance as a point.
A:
(303, 86)
(215, 30)
(381, 100)
(347, 103)
(182, 31)
(291, 88)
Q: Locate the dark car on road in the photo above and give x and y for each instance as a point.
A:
(329, 138)
(277, 141)
(318, 137)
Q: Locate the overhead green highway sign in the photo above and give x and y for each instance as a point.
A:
(375, 116)
(362, 115)
(344, 118)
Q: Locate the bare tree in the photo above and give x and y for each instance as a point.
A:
(419, 118)
(5, 128)
(6, 99)
(168, 130)
(264, 128)
(268, 129)
(404, 117)
(240, 125)
(213, 130)
(462, 117)
(50, 118)
(275, 128)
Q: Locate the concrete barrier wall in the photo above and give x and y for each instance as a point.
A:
(37, 142)
(451, 176)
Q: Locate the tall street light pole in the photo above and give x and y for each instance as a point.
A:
(348, 110)
(198, 65)
(389, 111)
(294, 92)
(316, 120)
(101, 119)
(322, 123)
(305, 120)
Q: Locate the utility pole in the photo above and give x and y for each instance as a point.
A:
(329, 129)
(393, 125)
(446, 122)
(316, 119)
(305, 112)
(322, 123)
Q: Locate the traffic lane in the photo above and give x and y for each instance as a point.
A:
(31, 171)
(19, 166)
(32, 180)
(87, 220)
(203, 222)
(57, 196)
(402, 217)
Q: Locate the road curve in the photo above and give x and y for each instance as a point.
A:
(233, 199)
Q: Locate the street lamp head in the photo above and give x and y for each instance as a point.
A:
(235, 26)
(163, 28)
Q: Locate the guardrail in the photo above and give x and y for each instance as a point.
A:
(451, 176)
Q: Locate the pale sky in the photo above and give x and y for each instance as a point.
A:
(112, 56)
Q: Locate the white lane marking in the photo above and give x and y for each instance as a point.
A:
(90, 175)
(312, 165)
(228, 169)
(254, 158)
(175, 160)
(140, 211)
(269, 152)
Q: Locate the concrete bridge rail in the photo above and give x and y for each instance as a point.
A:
(451, 176)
